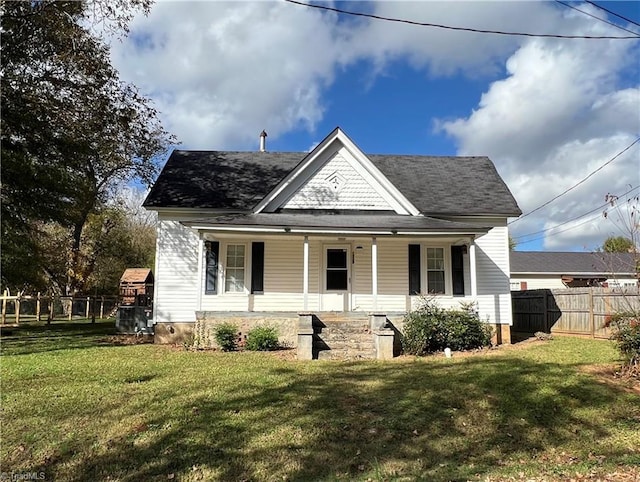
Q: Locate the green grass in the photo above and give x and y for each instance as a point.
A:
(77, 407)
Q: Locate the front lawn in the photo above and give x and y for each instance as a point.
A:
(77, 407)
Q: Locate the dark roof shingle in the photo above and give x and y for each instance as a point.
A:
(571, 263)
(239, 180)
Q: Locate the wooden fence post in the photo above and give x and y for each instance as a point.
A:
(51, 310)
(38, 307)
(592, 319)
(17, 307)
(101, 307)
(4, 306)
(70, 307)
(545, 310)
(87, 309)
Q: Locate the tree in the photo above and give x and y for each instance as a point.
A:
(512, 243)
(71, 129)
(617, 244)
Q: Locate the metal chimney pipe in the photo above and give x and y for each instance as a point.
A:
(263, 141)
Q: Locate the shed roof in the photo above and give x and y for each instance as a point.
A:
(137, 275)
(239, 180)
(572, 263)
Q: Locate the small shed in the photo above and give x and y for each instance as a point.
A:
(136, 287)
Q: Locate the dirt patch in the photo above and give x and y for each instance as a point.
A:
(610, 375)
(128, 339)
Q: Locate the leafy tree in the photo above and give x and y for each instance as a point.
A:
(617, 244)
(512, 243)
(71, 129)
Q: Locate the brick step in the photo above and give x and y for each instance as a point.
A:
(346, 354)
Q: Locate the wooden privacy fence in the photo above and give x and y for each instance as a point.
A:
(573, 311)
(21, 307)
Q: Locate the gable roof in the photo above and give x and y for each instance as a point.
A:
(571, 263)
(137, 275)
(240, 180)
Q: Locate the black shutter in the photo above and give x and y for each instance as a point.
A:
(257, 267)
(211, 270)
(414, 269)
(457, 270)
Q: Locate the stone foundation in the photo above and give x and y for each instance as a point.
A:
(172, 333)
(285, 323)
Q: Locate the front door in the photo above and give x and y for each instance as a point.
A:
(336, 278)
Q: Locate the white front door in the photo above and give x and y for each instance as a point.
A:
(336, 280)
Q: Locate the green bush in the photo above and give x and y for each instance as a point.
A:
(226, 335)
(626, 334)
(430, 329)
(262, 338)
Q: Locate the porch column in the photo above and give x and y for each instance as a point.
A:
(305, 273)
(374, 271)
(200, 272)
(472, 268)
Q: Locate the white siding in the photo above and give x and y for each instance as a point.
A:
(554, 281)
(176, 276)
(282, 276)
(354, 192)
(492, 261)
(393, 279)
(361, 277)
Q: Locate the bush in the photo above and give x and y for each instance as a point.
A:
(430, 329)
(626, 334)
(226, 335)
(262, 338)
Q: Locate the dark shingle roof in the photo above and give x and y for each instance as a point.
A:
(571, 263)
(355, 222)
(239, 180)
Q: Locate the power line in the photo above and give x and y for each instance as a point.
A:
(578, 183)
(559, 232)
(596, 17)
(574, 218)
(613, 13)
(449, 27)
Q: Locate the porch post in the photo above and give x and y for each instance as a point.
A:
(305, 273)
(472, 267)
(374, 271)
(200, 258)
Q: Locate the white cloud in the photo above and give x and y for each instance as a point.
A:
(221, 72)
(558, 116)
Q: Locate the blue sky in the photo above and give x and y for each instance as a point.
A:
(547, 111)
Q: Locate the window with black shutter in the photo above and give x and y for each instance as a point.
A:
(414, 269)
(211, 270)
(257, 267)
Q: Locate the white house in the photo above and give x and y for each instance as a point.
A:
(532, 270)
(271, 235)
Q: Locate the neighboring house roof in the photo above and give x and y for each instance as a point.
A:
(240, 180)
(137, 275)
(572, 263)
(342, 222)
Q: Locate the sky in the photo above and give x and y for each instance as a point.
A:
(549, 112)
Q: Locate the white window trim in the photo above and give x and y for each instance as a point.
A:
(448, 282)
(323, 271)
(222, 269)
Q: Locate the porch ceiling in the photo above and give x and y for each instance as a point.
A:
(346, 223)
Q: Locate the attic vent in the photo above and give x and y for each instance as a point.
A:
(336, 182)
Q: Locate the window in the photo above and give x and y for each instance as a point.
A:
(234, 279)
(337, 269)
(435, 270)
(211, 268)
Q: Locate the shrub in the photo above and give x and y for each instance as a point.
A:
(262, 338)
(430, 328)
(226, 335)
(626, 334)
